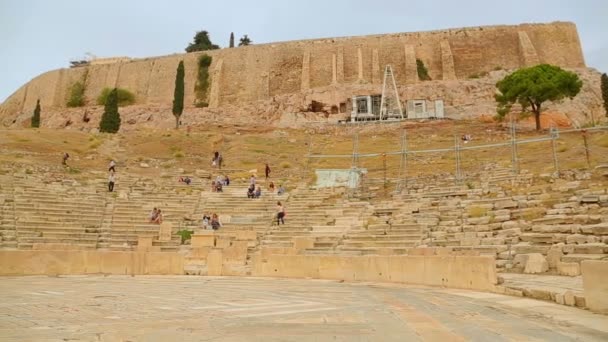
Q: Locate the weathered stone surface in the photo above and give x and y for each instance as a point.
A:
(571, 269)
(536, 263)
(554, 255)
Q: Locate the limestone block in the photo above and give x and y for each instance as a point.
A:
(164, 231)
(554, 255)
(203, 239)
(559, 298)
(505, 204)
(246, 235)
(571, 269)
(536, 263)
(236, 252)
(576, 239)
(422, 251)
(214, 262)
(301, 243)
(569, 298)
(144, 243)
(509, 232)
(600, 229)
(590, 199)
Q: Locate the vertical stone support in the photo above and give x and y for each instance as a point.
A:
(376, 77)
(216, 85)
(334, 69)
(447, 61)
(359, 65)
(340, 66)
(411, 72)
(527, 52)
(305, 85)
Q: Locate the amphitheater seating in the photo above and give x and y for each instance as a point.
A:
(497, 213)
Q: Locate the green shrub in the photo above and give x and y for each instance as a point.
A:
(76, 95)
(185, 235)
(423, 72)
(110, 119)
(124, 96)
(202, 81)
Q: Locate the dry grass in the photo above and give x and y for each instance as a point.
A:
(285, 150)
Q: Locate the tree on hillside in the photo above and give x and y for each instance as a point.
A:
(36, 115)
(531, 87)
(178, 94)
(244, 41)
(605, 91)
(231, 40)
(201, 43)
(110, 119)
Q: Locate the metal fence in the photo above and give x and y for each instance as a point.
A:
(464, 157)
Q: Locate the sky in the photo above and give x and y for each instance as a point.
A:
(41, 35)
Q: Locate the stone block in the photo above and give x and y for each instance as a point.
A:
(569, 298)
(595, 285)
(301, 243)
(536, 263)
(203, 239)
(165, 231)
(576, 239)
(571, 269)
(554, 256)
(505, 204)
(214, 262)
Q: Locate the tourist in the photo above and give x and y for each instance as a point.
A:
(213, 186)
(187, 180)
(258, 192)
(252, 180)
(220, 159)
(271, 187)
(215, 222)
(66, 156)
(159, 217)
(226, 180)
(251, 191)
(218, 187)
(267, 171)
(112, 166)
(153, 215)
(466, 138)
(111, 181)
(281, 190)
(280, 213)
(206, 221)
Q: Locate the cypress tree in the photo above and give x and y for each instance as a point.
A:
(178, 95)
(36, 115)
(231, 40)
(110, 120)
(605, 91)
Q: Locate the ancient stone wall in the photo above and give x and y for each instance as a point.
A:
(260, 72)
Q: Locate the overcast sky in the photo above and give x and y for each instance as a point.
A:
(41, 35)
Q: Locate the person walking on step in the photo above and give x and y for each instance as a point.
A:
(280, 213)
(112, 166)
(111, 181)
(66, 156)
(267, 171)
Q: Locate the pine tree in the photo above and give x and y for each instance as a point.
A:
(110, 120)
(231, 40)
(36, 115)
(178, 95)
(605, 91)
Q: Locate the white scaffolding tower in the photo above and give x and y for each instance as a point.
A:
(390, 106)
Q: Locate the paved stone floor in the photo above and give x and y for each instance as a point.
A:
(188, 308)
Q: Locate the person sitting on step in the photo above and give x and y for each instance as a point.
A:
(258, 192)
(215, 222)
(251, 191)
(153, 215)
(159, 217)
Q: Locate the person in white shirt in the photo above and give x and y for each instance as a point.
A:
(111, 181)
(112, 165)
